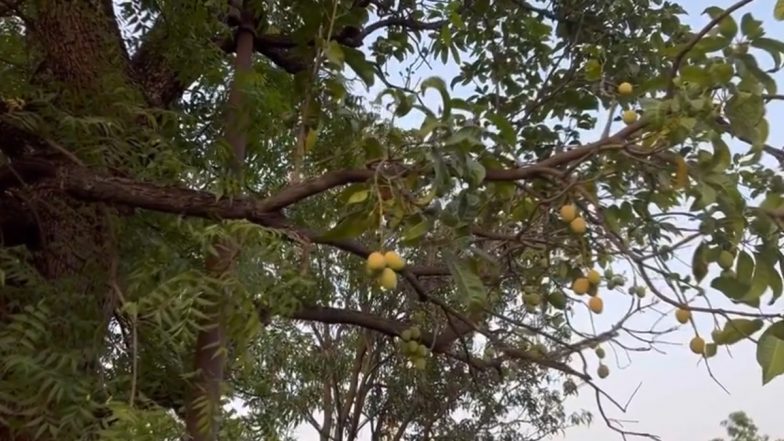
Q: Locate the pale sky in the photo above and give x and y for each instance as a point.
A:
(677, 399)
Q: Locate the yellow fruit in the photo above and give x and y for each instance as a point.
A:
(625, 88)
(376, 261)
(568, 212)
(600, 352)
(682, 315)
(629, 116)
(388, 279)
(603, 371)
(580, 285)
(394, 261)
(578, 225)
(596, 304)
(697, 345)
(594, 277)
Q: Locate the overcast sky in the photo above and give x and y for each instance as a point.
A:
(677, 399)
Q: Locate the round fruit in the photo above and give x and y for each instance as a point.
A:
(376, 261)
(578, 225)
(394, 261)
(422, 351)
(412, 347)
(682, 315)
(388, 279)
(603, 371)
(594, 277)
(415, 334)
(420, 364)
(532, 299)
(640, 291)
(406, 335)
(568, 212)
(580, 286)
(728, 273)
(600, 352)
(557, 299)
(596, 304)
(629, 116)
(710, 350)
(726, 259)
(718, 336)
(697, 345)
(530, 308)
(625, 88)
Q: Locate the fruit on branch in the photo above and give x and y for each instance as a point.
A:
(718, 336)
(639, 291)
(376, 261)
(415, 333)
(629, 117)
(422, 351)
(578, 225)
(596, 304)
(625, 88)
(603, 371)
(394, 261)
(682, 315)
(594, 277)
(697, 345)
(412, 347)
(600, 352)
(580, 285)
(388, 279)
(568, 212)
(726, 259)
(406, 335)
(532, 299)
(419, 364)
(710, 350)
(557, 299)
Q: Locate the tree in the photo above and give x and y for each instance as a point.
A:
(741, 428)
(191, 194)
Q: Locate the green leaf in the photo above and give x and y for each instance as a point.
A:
(356, 60)
(721, 155)
(751, 27)
(476, 172)
(745, 111)
(593, 70)
(351, 226)
(416, 231)
(438, 84)
(505, 128)
(738, 329)
(770, 348)
(334, 53)
(468, 283)
(744, 268)
(699, 262)
(773, 47)
(778, 10)
(727, 27)
(730, 287)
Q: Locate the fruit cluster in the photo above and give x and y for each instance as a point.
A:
(576, 223)
(413, 349)
(384, 267)
(588, 284)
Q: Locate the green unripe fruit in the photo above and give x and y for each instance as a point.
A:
(557, 299)
(710, 350)
(406, 335)
(726, 259)
(420, 364)
(532, 299)
(422, 351)
(415, 334)
(600, 352)
(412, 347)
(603, 371)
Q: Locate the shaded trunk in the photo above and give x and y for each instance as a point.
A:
(68, 240)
